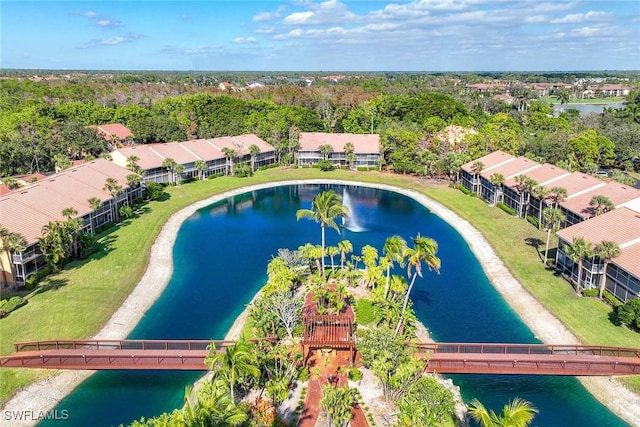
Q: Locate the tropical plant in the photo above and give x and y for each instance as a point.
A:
(558, 194)
(577, 251)
(254, 150)
(112, 186)
(170, 165)
(11, 243)
(424, 250)
(345, 248)
(517, 413)
(230, 155)
(338, 402)
(552, 218)
(236, 363)
(606, 251)
(325, 208)
(200, 166)
(393, 250)
(601, 204)
(497, 179)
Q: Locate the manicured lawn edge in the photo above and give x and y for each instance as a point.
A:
(77, 302)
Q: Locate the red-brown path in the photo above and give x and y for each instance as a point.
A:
(328, 366)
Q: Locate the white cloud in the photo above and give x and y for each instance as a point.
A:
(107, 23)
(576, 18)
(244, 40)
(587, 31)
(111, 41)
(298, 18)
(265, 30)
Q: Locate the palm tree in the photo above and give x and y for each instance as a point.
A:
(178, 170)
(230, 154)
(518, 413)
(112, 186)
(424, 249)
(552, 218)
(170, 165)
(325, 208)
(11, 243)
(558, 194)
(577, 251)
(606, 250)
(325, 150)
(540, 193)
(563, 97)
(132, 164)
(200, 166)
(529, 185)
(350, 155)
(497, 179)
(345, 248)
(237, 362)
(601, 204)
(254, 150)
(393, 250)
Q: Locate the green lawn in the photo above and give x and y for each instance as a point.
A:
(77, 302)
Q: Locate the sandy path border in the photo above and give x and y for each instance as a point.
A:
(46, 394)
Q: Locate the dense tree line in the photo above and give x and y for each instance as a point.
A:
(42, 120)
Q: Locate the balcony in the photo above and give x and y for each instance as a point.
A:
(592, 267)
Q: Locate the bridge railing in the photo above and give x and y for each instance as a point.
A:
(120, 345)
(515, 349)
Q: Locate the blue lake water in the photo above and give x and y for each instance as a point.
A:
(220, 259)
(587, 108)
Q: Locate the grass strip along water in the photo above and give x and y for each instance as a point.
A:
(78, 301)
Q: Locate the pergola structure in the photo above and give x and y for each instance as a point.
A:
(327, 332)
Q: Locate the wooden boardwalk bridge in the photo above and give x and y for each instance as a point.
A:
(477, 358)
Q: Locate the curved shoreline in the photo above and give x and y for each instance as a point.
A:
(46, 394)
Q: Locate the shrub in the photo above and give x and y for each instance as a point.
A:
(464, 189)
(36, 277)
(326, 165)
(154, 190)
(364, 311)
(629, 313)
(506, 208)
(7, 306)
(590, 293)
(303, 376)
(533, 221)
(355, 374)
(610, 299)
(362, 169)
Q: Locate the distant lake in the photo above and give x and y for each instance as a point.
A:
(587, 108)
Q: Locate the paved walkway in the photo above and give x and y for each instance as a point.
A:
(328, 366)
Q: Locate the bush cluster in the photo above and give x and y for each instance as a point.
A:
(7, 306)
(506, 208)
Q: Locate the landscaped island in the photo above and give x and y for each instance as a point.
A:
(362, 176)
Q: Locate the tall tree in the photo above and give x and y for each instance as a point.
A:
(200, 166)
(345, 248)
(577, 251)
(558, 194)
(11, 243)
(606, 251)
(112, 186)
(541, 193)
(325, 208)
(517, 413)
(170, 164)
(236, 363)
(254, 150)
(497, 179)
(424, 250)
(601, 204)
(552, 218)
(230, 155)
(393, 250)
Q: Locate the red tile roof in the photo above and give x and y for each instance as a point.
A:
(517, 166)
(577, 183)
(30, 208)
(621, 226)
(545, 174)
(120, 131)
(362, 143)
(490, 160)
(616, 192)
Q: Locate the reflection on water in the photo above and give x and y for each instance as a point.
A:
(586, 108)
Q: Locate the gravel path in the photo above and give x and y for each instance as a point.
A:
(46, 394)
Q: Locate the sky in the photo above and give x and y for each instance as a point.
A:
(331, 35)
